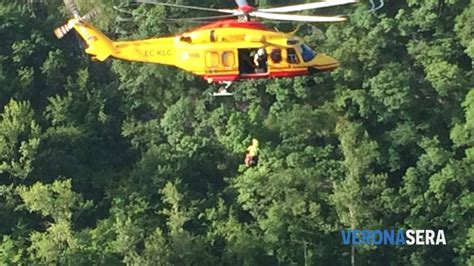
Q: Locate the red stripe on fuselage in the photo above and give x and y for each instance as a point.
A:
(274, 74)
(232, 23)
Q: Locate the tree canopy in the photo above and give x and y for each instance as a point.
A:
(130, 163)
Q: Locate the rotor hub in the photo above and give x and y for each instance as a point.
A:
(246, 9)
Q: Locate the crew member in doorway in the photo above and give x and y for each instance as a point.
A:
(251, 158)
(260, 61)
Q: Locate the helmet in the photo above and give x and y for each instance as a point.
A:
(261, 51)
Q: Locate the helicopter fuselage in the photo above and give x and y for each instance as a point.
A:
(219, 52)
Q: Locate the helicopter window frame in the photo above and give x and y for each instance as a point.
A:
(212, 59)
(292, 56)
(276, 56)
(307, 53)
(226, 61)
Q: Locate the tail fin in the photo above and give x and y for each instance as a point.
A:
(99, 45)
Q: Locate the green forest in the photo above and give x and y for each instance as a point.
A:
(123, 163)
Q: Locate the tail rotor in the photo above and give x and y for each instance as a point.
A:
(60, 32)
(71, 6)
(91, 14)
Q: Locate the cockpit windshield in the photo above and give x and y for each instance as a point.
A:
(307, 53)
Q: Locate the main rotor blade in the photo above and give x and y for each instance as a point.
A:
(201, 18)
(91, 14)
(296, 17)
(302, 7)
(228, 11)
(72, 7)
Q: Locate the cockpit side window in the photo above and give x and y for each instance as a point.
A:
(307, 53)
(292, 58)
(275, 55)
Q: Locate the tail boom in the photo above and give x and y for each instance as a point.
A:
(159, 50)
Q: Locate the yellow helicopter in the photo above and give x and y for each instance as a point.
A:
(236, 47)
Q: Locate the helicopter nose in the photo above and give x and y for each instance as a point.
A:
(323, 63)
